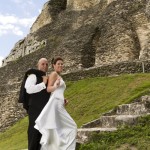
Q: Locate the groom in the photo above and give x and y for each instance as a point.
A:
(34, 97)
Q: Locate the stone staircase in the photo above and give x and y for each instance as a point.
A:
(126, 114)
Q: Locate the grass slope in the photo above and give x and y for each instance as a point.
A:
(88, 99)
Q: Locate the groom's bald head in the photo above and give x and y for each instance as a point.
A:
(43, 64)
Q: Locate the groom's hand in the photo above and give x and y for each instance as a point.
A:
(45, 79)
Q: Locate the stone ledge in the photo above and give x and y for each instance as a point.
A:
(84, 133)
(96, 129)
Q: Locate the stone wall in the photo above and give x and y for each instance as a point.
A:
(110, 70)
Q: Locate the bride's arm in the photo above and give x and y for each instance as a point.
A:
(53, 82)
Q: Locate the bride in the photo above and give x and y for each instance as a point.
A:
(57, 127)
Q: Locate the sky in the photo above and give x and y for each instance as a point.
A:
(16, 18)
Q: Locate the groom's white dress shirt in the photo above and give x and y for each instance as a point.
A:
(31, 86)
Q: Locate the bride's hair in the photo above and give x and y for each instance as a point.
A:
(54, 60)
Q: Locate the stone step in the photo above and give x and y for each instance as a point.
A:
(84, 133)
(126, 114)
(96, 129)
(132, 109)
(112, 121)
(136, 108)
(118, 120)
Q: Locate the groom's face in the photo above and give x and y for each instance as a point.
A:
(43, 65)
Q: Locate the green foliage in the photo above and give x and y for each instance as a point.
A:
(88, 99)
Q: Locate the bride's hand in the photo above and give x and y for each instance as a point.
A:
(65, 102)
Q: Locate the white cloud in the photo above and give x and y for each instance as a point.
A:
(6, 19)
(1, 58)
(27, 22)
(14, 25)
(17, 31)
(9, 28)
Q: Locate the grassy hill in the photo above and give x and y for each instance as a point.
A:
(88, 99)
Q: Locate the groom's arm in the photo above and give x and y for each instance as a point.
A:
(31, 86)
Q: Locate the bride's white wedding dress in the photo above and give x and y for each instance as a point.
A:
(57, 127)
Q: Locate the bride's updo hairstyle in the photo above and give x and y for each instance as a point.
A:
(54, 61)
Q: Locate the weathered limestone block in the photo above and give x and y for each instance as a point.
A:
(49, 13)
(78, 5)
(144, 38)
(81, 4)
(43, 19)
(24, 47)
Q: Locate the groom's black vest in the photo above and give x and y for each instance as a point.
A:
(37, 100)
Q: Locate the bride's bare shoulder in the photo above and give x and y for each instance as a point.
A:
(53, 74)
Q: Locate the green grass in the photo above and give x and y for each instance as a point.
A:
(88, 99)
(15, 138)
